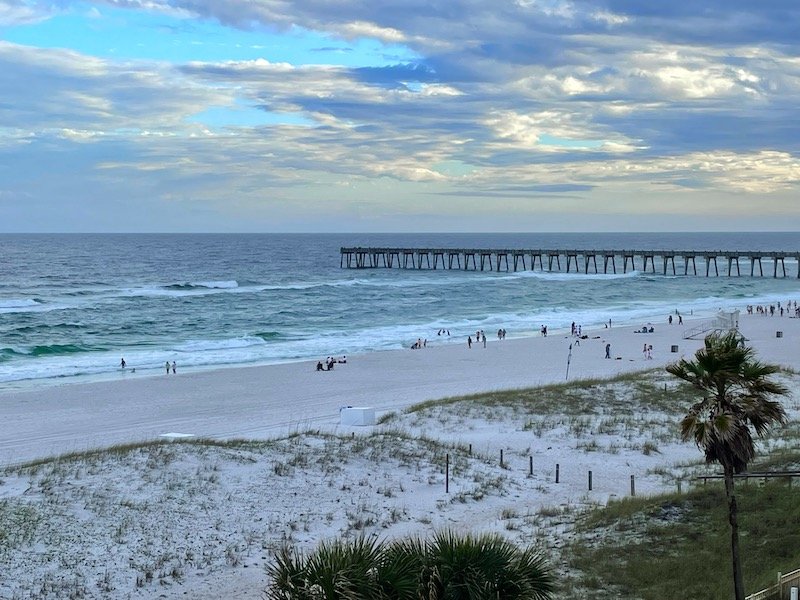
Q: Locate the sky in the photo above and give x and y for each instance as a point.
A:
(389, 116)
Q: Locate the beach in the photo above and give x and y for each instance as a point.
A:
(203, 519)
(273, 400)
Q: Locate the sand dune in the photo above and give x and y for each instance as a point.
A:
(200, 521)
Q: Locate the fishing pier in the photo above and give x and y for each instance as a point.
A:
(574, 261)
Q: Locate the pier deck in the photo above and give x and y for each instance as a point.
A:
(574, 261)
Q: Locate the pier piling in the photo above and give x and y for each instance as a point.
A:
(497, 259)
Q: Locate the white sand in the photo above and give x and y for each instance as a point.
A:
(266, 401)
(203, 521)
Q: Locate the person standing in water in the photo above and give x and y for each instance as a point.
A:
(122, 363)
(167, 366)
(174, 367)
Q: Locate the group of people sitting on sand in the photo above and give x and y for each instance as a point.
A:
(646, 329)
(330, 362)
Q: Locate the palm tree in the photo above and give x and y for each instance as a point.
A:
(736, 390)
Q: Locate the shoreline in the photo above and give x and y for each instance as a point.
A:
(108, 370)
(271, 400)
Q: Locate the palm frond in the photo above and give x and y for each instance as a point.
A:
(737, 393)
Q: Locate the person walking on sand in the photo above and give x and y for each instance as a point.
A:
(608, 350)
(174, 367)
(167, 365)
(469, 342)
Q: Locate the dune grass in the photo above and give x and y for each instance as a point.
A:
(652, 390)
(678, 546)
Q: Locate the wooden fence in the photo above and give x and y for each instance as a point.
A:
(781, 590)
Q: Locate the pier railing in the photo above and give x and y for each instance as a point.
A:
(577, 261)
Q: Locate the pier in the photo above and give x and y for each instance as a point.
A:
(571, 261)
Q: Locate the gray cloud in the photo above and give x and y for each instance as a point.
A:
(564, 100)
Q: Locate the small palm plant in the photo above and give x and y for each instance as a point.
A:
(336, 570)
(737, 392)
(448, 567)
(483, 567)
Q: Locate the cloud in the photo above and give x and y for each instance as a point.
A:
(528, 98)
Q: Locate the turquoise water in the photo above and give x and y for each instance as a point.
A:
(72, 305)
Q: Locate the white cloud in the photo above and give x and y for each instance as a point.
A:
(610, 18)
(362, 29)
(532, 91)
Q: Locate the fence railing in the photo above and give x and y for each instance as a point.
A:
(781, 590)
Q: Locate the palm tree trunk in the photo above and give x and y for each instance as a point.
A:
(738, 582)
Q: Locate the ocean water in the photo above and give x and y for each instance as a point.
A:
(72, 305)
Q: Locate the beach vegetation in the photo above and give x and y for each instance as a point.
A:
(667, 546)
(649, 448)
(737, 392)
(448, 565)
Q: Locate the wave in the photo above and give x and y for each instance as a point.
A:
(554, 276)
(42, 328)
(269, 335)
(48, 350)
(223, 344)
(209, 285)
(19, 303)
(23, 305)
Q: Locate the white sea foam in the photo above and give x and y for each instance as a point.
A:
(240, 306)
(216, 284)
(27, 305)
(18, 303)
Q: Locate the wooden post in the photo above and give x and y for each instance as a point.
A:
(530, 467)
(470, 449)
(633, 486)
(679, 486)
(590, 481)
(556, 472)
(501, 458)
(447, 474)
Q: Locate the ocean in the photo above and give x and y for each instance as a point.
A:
(71, 306)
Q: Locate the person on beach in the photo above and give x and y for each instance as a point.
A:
(167, 367)
(680, 320)
(174, 367)
(122, 363)
(608, 350)
(483, 335)
(469, 342)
